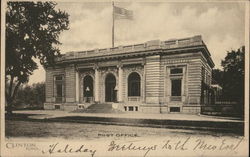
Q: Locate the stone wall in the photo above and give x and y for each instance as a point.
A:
(153, 73)
(49, 82)
(194, 81)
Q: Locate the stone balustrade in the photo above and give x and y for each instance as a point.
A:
(150, 45)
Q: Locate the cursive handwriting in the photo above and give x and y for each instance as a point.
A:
(180, 145)
(223, 145)
(131, 146)
(55, 148)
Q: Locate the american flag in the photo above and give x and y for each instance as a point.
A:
(121, 13)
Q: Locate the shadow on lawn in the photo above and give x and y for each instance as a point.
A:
(19, 116)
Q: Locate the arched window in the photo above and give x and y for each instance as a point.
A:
(110, 92)
(134, 84)
(88, 86)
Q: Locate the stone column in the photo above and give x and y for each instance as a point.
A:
(144, 82)
(120, 83)
(96, 85)
(77, 86)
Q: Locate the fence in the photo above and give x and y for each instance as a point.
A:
(223, 108)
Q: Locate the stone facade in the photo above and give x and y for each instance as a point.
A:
(154, 77)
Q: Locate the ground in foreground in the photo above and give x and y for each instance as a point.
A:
(68, 130)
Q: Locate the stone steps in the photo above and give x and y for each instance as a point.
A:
(101, 108)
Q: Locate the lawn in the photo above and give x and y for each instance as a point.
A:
(67, 130)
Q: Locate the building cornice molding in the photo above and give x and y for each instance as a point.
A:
(151, 48)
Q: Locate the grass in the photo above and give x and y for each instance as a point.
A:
(71, 130)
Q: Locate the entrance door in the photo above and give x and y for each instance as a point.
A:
(88, 88)
(110, 93)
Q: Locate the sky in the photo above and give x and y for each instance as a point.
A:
(221, 25)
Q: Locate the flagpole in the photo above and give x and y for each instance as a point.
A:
(113, 26)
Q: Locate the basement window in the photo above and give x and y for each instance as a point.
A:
(136, 108)
(130, 108)
(57, 107)
(174, 109)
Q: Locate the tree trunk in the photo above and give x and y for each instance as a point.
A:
(10, 96)
(9, 108)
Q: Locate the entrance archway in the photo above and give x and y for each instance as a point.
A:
(110, 91)
(88, 88)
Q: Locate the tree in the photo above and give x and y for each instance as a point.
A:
(32, 96)
(39, 93)
(217, 77)
(32, 32)
(233, 79)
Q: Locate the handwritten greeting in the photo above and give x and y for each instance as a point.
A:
(184, 144)
(180, 145)
(67, 149)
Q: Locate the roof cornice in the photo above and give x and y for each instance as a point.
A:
(149, 48)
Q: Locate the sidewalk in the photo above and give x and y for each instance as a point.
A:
(46, 114)
(172, 121)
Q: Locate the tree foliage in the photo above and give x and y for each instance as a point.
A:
(31, 96)
(32, 32)
(233, 76)
(217, 77)
(231, 79)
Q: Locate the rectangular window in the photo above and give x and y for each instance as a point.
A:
(176, 87)
(59, 88)
(58, 78)
(203, 74)
(176, 71)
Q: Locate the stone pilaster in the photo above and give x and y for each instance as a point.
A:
(153, 79)
(120, 83)
(77, 86)
(70, 84)
(144, 82)
(97, 86)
